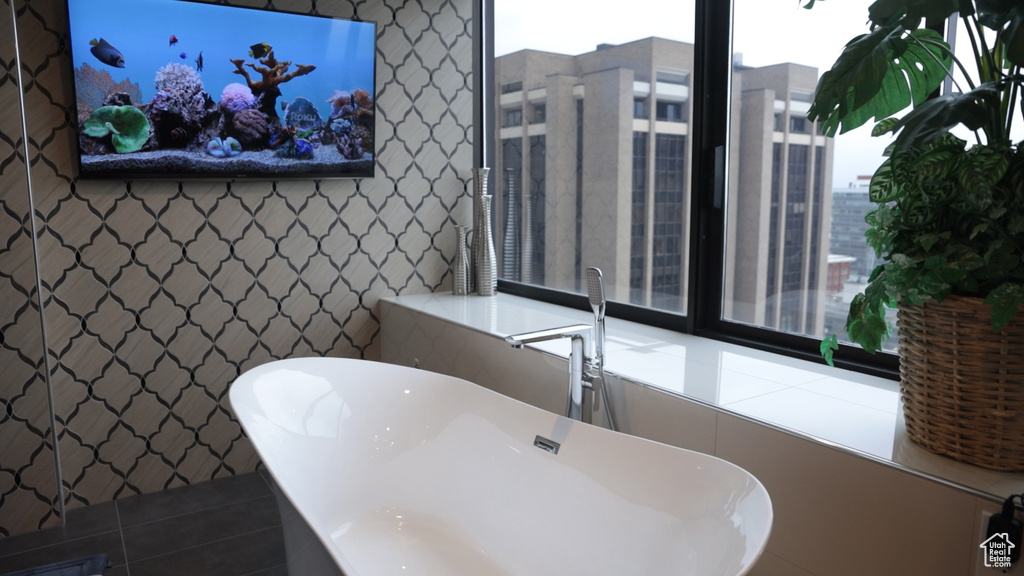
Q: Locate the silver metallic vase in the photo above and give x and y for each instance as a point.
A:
(479, 191)
(460, 264)
(487, 265)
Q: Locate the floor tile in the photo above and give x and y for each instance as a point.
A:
(81, 522)
(195, 529)
(192, 498)
(281, 570)
(236, 556)
(108, 543)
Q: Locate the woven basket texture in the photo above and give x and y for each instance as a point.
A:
(962, 384)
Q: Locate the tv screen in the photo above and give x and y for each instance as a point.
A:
(178, 89)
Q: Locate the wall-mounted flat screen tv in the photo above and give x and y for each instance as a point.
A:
(180, 89)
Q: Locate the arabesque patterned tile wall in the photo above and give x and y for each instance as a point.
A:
(155, 295)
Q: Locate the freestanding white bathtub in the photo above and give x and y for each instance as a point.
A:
(389, 470)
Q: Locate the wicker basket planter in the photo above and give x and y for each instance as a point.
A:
(963, 385)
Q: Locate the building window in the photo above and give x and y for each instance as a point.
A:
(671, 111)
(669, 223)
(640, 108)
(539, 114)
(638, 224)
(799, 125)
(773, 234)
(512, 117)
(512, 87)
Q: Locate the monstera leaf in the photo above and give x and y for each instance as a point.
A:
(878, 75)
(1008, 16)
(929, 121)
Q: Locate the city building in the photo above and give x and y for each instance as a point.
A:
(849, 207)
(623, 112)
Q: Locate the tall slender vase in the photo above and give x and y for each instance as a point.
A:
(479, 191)
(460, 265)
(487, 267)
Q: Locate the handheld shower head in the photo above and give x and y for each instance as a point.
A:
(595, 293)
(595, 290)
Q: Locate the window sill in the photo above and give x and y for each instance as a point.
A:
(854, 412)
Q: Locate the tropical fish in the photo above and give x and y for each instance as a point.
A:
(106, 53)
(182, 56)
(199, 61)
(260, 50)
(174, 40)
(284, 106)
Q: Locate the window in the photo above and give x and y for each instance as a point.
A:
(512, 87)
(799, 125)
(640, 108)
(512, 117)
(770, 261)
(539, 114)
(671, 111)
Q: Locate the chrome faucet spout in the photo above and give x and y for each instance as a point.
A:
(580, 336)
(519, 340)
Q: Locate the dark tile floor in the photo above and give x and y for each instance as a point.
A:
(224, 527)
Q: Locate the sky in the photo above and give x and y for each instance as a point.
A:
(765, 32)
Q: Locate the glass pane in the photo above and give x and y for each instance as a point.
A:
(795, 248)
(592, 148)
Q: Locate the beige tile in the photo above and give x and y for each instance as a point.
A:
(842, 515)
(772, 565)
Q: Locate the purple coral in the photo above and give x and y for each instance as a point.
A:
(236, 97)
(351, 148)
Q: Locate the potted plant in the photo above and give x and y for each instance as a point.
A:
(948, 225)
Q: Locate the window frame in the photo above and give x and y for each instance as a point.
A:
(709, 125)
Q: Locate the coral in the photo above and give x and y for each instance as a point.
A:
(127, 126)
(224, 148)
(250, 126)
(295, 148)
(351, 148)
(303, 149)
(273, 74)
(365, 135)
(92, 86)
(236, 97)
(180, 104)
(182, 82)
(178, 137)
(341, 102)
(361, 98)
(117, 99)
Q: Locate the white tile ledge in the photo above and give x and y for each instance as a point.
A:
(849, 411)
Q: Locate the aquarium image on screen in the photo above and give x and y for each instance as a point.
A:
(180, 89)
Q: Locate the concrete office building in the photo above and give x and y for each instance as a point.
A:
(623, 111)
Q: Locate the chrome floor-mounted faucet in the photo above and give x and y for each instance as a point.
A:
(580, 336)
(587, 353)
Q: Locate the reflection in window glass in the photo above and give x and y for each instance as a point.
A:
(795, 248)
(599, 174)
